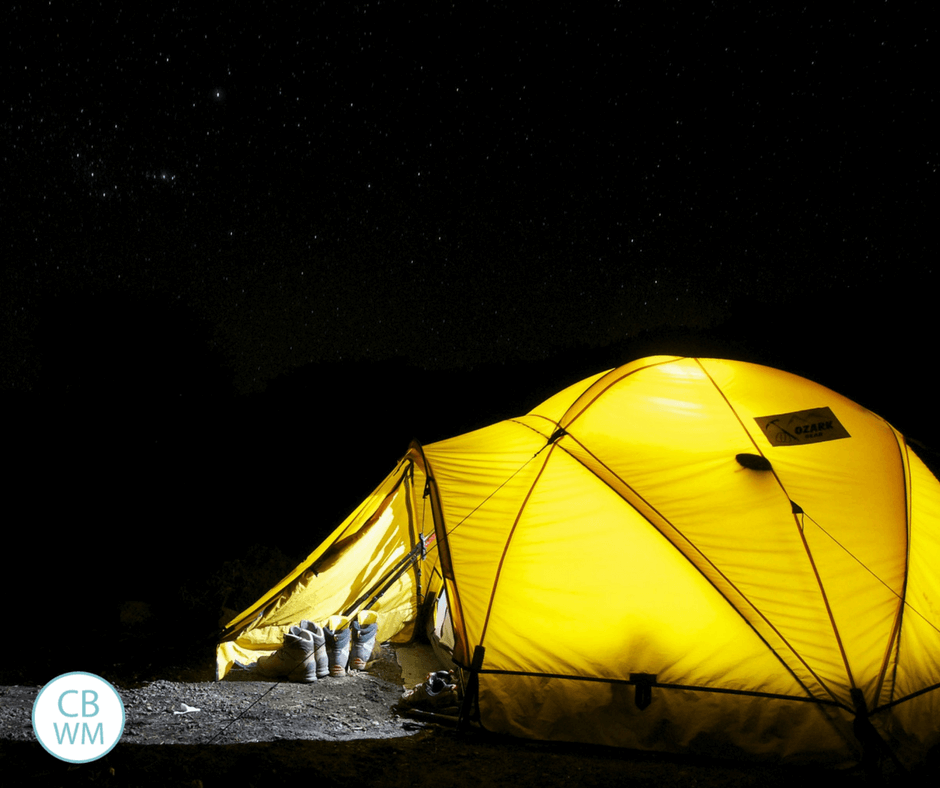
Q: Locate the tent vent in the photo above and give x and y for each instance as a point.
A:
(644, 689)
(557, 435)
(797, 509)
(754, 462)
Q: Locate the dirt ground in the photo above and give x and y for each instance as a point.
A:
(342, 731)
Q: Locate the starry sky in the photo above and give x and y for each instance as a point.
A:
(461, 185)
(291, 208)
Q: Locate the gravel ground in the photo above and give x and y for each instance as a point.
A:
(340, 732)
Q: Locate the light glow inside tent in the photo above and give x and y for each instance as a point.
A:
(622, 577)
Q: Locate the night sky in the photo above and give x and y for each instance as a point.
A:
(249, 254)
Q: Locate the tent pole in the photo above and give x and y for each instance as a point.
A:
(472, 689)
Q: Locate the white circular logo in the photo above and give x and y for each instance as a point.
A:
(78, 717)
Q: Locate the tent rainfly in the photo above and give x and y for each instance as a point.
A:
(680, 554)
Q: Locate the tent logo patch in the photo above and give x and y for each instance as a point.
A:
(801, 427)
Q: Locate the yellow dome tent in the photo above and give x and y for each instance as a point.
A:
(679, 554)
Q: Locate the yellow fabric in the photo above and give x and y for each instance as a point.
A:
(612, 534)
(354, 560)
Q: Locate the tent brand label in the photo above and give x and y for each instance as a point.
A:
(801, 427)
(78, 717)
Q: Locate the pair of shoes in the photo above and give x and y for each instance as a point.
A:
(320, 658)
(302, 657)
(350, 641)
(312, 651)
(438, 691)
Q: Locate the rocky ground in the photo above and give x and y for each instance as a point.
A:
(337, 732)
(342, 731)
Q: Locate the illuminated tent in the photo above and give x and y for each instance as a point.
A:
(679, 554)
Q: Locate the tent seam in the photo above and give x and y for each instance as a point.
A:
(705, 558)
(512, 531)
